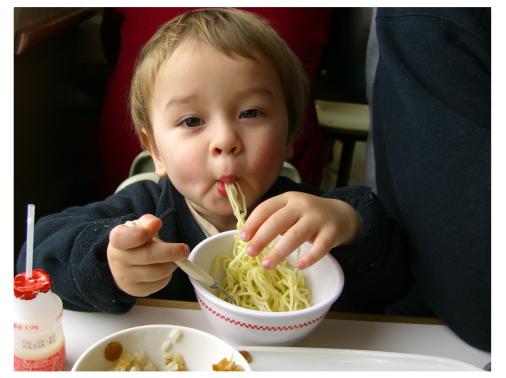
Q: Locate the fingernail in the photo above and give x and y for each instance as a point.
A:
(244, 236)
(301, 264)
(266, 263)
(186, 250)
(250, 250)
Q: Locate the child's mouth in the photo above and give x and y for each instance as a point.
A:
(220, 185)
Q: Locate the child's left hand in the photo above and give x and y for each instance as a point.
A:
(299, 217)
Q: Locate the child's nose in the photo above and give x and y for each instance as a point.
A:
(225, 141)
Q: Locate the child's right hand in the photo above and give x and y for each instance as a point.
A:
(140, 265)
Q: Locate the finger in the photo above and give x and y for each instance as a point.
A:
(155, 252)
(151, 273)
(127, 237)
(150, 222)
(320, 247)
(291, 240)
(143, 289)
(275, 225)
(258, 216)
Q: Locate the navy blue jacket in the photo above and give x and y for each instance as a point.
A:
(71, 246)
(431, 119)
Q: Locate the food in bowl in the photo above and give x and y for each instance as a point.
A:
(160, 347)
(226, 365)
(252, 286)
(113, 351)
(282, 288)
(324, 281)
(137, 361)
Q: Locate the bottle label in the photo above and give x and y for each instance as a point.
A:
(35, 326)
(53, 362)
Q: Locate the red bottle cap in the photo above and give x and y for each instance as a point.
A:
(28, 288)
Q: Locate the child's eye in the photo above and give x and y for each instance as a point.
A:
(251, 113)
(191, 122)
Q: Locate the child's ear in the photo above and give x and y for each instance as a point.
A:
(150, 146)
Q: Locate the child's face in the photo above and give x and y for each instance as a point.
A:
(216, 118)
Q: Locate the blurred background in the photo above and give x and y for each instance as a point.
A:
(64, 61)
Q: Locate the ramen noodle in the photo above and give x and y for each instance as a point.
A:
(251, 285)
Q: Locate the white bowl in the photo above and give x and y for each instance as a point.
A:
(199, 349)
(242, 326)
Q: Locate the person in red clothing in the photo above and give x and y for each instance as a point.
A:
(303, 29)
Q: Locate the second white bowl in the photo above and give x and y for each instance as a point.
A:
(200, 350)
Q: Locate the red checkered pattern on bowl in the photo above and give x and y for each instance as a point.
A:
(256, 326)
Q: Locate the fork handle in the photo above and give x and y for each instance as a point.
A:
(196, 272)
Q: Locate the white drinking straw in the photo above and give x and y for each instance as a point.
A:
(29, 240)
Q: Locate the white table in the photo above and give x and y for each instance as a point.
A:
(342, 331)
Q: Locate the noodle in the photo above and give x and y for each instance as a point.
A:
(250, 284)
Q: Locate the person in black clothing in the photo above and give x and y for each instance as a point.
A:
(216, 97)
(431, 138)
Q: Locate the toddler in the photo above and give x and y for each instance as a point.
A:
(216, 97)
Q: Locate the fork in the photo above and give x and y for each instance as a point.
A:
(193, 270)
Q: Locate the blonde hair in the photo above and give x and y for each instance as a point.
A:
(230, 31)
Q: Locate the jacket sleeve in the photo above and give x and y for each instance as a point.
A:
(71, 246)
(375, 264)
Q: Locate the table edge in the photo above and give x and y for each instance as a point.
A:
(385, 318)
